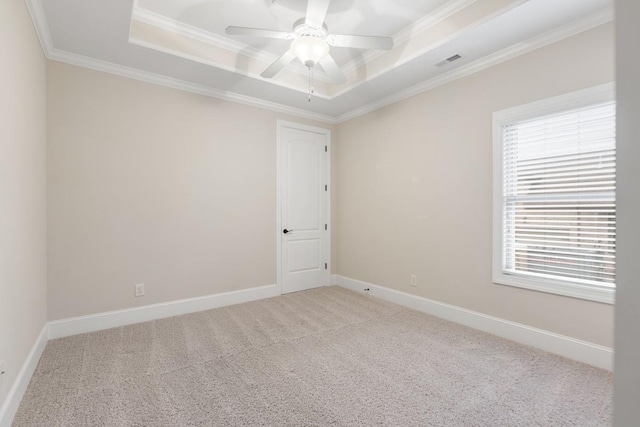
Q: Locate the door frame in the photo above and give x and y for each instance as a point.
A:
(327, 166)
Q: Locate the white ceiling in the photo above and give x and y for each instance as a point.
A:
(182, 43)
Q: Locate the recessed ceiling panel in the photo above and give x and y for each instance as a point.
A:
(199, 56)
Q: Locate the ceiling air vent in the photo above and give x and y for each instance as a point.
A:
(448, 60)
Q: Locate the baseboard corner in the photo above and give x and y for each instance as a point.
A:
(16, 392)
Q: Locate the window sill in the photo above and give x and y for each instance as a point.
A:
(574, 290)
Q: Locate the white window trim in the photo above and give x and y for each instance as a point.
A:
(593, 95)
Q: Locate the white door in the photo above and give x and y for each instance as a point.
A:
(304, 188)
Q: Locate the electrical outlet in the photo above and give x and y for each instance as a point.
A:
(139, 289)
(413, 281)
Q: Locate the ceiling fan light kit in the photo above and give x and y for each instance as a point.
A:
(311, 43)
(309, 49)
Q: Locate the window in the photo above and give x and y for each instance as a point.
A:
(554, 195)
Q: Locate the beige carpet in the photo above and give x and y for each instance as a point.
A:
(322, 357)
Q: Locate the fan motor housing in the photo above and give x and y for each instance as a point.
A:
(302, 29)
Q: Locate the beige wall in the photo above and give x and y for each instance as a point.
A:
(22, 189)
(175, 190)
(153, 185)
(415, 188)
(627, 373)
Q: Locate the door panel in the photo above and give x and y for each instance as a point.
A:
(304, 255)
(304, 207)
(304, 197)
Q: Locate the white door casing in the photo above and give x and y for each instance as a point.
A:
(304, 188)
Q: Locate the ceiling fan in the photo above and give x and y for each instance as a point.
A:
(311, 42)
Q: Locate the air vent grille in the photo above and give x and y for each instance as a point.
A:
(448, 60)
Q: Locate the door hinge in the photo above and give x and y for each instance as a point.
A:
(325, 149)
(325, 187)
(325, 227)
(325, 265)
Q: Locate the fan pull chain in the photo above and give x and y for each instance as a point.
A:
(309, 84)
(311, 90)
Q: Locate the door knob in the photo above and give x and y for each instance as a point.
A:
(285, 231)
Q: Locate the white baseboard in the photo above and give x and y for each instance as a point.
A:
(19, 386)
(113, 319)
(571, 348)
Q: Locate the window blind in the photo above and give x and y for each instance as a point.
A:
(559, 206)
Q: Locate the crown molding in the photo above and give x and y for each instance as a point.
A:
(148, 77)
(434, 18)
(201, 60)
(50, 52)
(151, 18)
(560, 33)
(168, 24)
(406, 58)
(430, 20)
(575, 27)
(40, 23)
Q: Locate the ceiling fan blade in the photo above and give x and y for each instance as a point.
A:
(316, 12)
(258, 32)
(279, 64)
(331, 68)
(363, 42)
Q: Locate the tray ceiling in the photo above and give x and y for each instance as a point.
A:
(182, 44)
